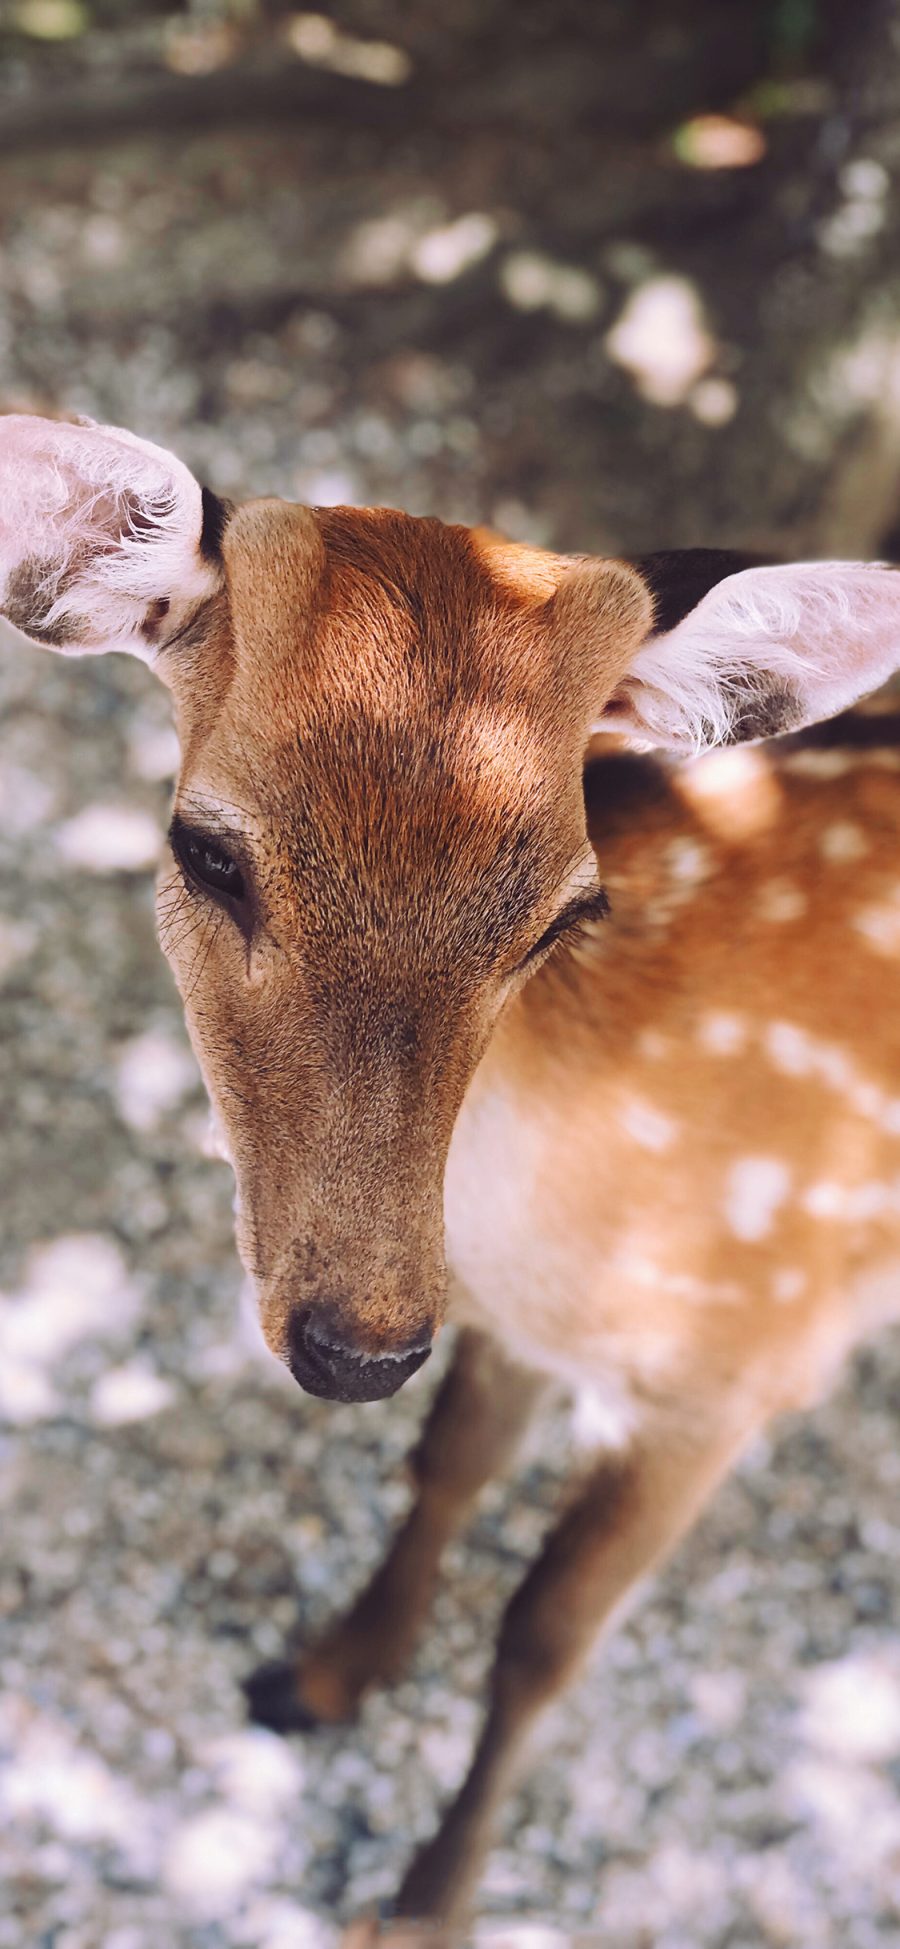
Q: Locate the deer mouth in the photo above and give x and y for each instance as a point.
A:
(335, 1373)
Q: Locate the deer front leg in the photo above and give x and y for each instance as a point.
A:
(625, 1518)
(477, 1418)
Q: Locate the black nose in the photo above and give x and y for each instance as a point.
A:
(323, 1362)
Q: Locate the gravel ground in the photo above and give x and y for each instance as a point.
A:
(729, 1773)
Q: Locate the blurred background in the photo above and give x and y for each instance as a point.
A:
(606, 276)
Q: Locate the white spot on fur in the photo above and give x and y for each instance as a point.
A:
(854, 1204)
(789, 1284)
(722, 1034)
(869, 1201)
(633, 1267)
(824, 1200)
(843, 843)
(834, 1067)
(510, 1275)
(796, 1053)
(653, 1046)
(880, 927)
(788, 1048)
(756, 1188)
(648, 1126)
(779, 901)
(687, 861)
(604, 1417)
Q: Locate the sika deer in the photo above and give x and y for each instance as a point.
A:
(657, 1148)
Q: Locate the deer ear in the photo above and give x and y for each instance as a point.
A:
(762, 650)
(104, 544)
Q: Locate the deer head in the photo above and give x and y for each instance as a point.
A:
(378, 832)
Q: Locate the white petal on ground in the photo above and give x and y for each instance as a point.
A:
(254, 1769)
(852, 1707)
(280, 1924)
(74, 1287)
(215, 1858)
(69, 1787)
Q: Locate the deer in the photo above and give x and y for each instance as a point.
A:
(537, 924)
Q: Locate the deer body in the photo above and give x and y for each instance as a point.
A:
(643, 1141)
(680, 1159)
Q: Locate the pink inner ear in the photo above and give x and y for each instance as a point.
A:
(767, 649)
(96, 527)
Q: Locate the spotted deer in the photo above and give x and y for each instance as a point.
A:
(513, 1007)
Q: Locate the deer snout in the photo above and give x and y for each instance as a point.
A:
(324, 1359)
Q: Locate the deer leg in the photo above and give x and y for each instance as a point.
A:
(625, 1518)
(477, 1418)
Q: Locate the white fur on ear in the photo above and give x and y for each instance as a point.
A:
(766, 650)
(99, 537)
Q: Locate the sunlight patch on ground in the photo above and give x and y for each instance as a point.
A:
(333, 487)
(852, 1707)
(443, 254)
(152, 749)
(533, 282)
(862, 374)
(662, 339)
(50, 20)
(275, 1923)
(70, 1787)
(864, 186)
(216, 1857)
(18, 938)
(109, 839)
(323, 44)
(154, 1072)
(713, 401)
(26, 800)
(74, 1288)
(719, 142)
(377, 250)
(199, 46)
(130, 1393)
(255, 1769)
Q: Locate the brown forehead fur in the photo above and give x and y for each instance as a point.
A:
(375, 605)
(372, 606)
(396, 695)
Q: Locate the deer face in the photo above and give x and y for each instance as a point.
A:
(378, 832)
(378, 829)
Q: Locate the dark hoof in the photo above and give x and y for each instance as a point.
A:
(273, 1701)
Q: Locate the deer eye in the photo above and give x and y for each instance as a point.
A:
(593, 905)
(207, 861)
